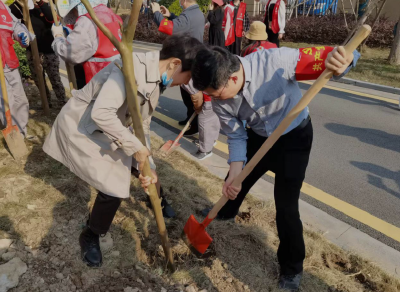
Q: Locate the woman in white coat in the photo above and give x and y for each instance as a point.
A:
(91, 136)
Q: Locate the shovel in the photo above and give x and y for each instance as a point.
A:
(12, 135)
(194, 234)
(169, 146)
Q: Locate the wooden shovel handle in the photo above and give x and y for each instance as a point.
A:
(356, 40)
(185, 128)
(3, 86)
(54, 13)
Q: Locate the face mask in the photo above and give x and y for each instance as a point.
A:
(164, 78)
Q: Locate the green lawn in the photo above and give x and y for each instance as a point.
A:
(372, 67)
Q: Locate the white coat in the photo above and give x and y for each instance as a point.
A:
(90, 136)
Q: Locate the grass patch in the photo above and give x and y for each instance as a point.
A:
(243, 252)
(373, 66)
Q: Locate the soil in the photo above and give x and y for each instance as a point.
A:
(44, 206)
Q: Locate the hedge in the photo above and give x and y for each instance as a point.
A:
(23, 61)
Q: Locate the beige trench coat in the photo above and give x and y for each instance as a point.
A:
(89, 135)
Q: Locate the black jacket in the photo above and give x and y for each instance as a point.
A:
(42, 20)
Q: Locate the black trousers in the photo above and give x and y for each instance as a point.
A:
(288, 159)
(190, 108)
(104, 209)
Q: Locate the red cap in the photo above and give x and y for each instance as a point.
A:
(219, 2)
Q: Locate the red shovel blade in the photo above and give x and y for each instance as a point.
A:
(169, 146)
(196, 236)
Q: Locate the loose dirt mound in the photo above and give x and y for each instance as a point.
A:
(43, 208)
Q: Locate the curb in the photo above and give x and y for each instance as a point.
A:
(388, 89)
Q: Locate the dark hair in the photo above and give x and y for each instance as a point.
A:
(213, 67)
(183, 47)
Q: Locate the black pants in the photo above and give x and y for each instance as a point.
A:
(80, 76)
(288, 159)
(190, 108)
(104, 209)
(273, 37)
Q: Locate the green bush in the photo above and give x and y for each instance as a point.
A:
(176, 9)
(23, 61)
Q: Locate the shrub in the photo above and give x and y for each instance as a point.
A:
(175, 8)
(23, 61)
(331, 30)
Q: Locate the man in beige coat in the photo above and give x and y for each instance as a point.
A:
(91, 138)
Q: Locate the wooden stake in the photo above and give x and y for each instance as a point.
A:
(36, 58)
(125, 49)
(375, 20)
(344, 14)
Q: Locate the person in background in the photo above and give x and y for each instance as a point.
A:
(274, 19)
(241, 25)
(261, 89)
(86, 46)
(191, 21)
(259, 37)
(215, 17)
(12, 29)
(91, 135)
(227, 23)
(42, 21)
(209, 124)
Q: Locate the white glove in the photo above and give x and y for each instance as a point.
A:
(57, 31)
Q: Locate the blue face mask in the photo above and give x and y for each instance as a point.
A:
(165, 81)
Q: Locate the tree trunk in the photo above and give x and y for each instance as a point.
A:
(394, 57)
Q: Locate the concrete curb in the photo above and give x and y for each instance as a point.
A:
(388, 89)
(334, 230)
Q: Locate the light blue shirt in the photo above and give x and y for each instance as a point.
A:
(269, 93)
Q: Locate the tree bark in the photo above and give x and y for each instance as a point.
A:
(36, 58)
(394, 57)
(125, 49)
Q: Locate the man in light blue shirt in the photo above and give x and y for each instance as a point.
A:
(261, 89)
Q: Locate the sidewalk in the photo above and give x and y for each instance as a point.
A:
(336, 231)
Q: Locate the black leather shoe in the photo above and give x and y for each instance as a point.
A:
(90, 248)
(167, 210)
(182, 123)
(290, 282)
(205, 212)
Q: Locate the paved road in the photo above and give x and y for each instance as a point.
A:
(355, 156)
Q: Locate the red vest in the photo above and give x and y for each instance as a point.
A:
(6, 39)
(240, 19)
(228, 18)
(274, 24)
(258, 46)
(106, 52)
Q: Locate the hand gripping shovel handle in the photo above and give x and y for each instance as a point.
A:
(356, 40)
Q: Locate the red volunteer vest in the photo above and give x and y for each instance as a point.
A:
(311, 62)
(106, 52)
(274, 25)
(228, 14)
(240, 19)
(6, 39)
(258, 46)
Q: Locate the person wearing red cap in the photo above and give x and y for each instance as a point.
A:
(215, 17)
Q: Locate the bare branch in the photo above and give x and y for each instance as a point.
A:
(129, 30)
(101, 26)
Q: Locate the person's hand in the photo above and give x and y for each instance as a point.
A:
(57, 31)
(197, 100)
(228, 190)
(24, 39)
(155, 7)
(280, 36)
(66, 30)
(338, 60)
(211, 6)
(243, 33)
(141, 157)
(145, 181)
(207, 25)
(165, 12)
